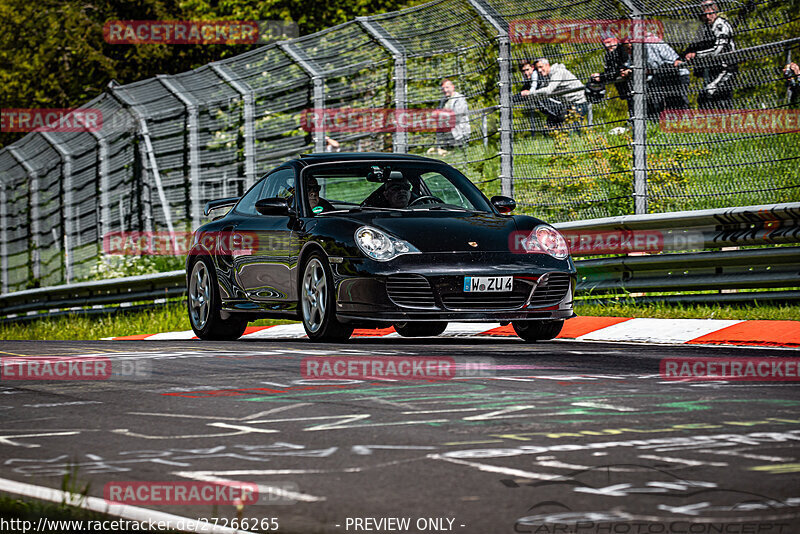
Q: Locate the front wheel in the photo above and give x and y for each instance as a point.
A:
(427, 329)
(205, 305)
(537, 330)
(317, 302)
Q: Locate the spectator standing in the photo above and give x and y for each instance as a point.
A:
(719, 74)
(455, 102)
(791, 73)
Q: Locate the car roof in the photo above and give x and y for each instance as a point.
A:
(330, 157)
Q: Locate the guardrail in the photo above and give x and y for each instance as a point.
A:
(97, 294)
(697, 269)
(694, 269)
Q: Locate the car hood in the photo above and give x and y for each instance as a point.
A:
(443, 231)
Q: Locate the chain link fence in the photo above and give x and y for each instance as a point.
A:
(172, 143)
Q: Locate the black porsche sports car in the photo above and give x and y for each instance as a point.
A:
(365, 240)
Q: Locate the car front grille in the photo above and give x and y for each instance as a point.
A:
(488, 301)
(410, 290)
(551, 291)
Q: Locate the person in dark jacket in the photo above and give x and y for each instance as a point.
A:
(713, 40)
(791, 73)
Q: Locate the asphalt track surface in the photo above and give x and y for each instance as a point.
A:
(552, 437)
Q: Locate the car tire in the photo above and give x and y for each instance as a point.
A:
(318, 302)
(204, 305)
(537, 330)
(426, 329)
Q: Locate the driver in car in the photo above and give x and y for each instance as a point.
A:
(316, 202)
(397, 193)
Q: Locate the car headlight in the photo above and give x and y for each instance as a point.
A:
(381, 246)
(548, 240)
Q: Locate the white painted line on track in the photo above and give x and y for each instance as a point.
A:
(167, 336)
(658, 330)
(279, 331)
(124, 511)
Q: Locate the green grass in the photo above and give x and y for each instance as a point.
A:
(788, 312)
(169, 318)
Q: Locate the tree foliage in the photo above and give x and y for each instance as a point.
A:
(53, 55)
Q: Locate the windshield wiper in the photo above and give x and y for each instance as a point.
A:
(452, 208)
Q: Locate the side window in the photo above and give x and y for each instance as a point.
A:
(278, 184)
(248, 203)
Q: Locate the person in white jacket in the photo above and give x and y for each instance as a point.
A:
(561, 93)
(454, 101)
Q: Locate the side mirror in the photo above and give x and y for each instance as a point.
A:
(274, 206)
(504, 204)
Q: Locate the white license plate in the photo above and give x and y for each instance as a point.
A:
(488, 284)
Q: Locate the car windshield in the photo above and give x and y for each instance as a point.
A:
(389, 186)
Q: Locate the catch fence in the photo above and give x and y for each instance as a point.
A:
(171, 143)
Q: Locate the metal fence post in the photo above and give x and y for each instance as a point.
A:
(491, 16)
(35, 222)
(318, 78)
(146, 191)
(249, 114)
(3, 237)
(145, 133)
(192, 119)
(68, 207)
(400, 141)
(639, 117)
(105, 192)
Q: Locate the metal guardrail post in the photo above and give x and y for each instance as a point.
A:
(68, 207)
(35, 222)
(491, 16)
(639, 117)
(400, 140)
(318, 79)
(192, 119)
(249, 115)
(145, 133)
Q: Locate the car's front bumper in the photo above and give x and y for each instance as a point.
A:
(427, 287)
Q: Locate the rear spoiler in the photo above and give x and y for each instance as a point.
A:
(219, 203)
